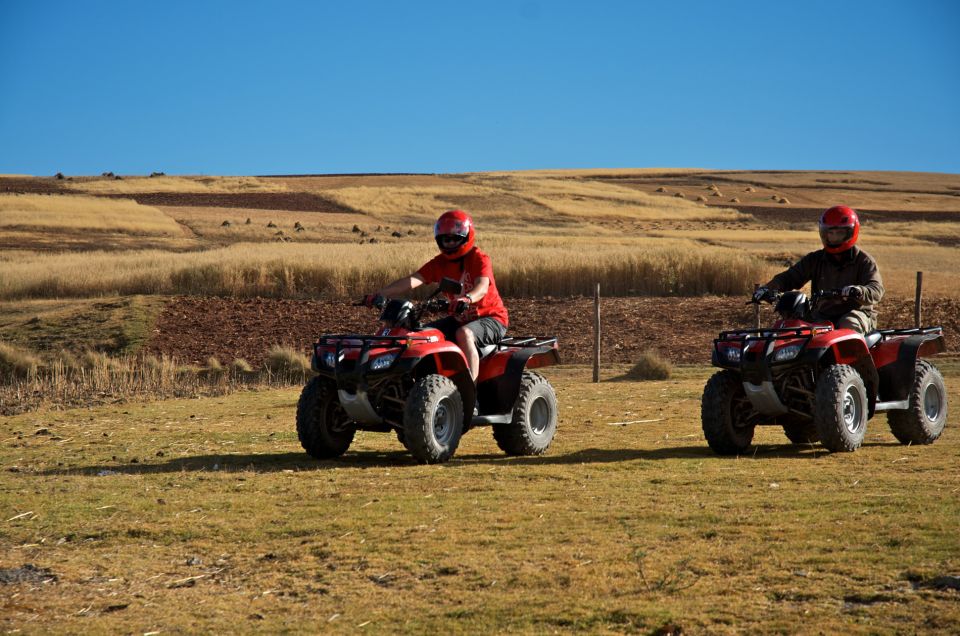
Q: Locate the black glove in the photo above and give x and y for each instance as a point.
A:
(852, 292)
(763, 293)
(373, 300)
(462, 304)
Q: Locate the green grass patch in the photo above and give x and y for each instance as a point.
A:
(115, 325)
(206, 515)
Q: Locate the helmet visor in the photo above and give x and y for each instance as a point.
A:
(835, 235)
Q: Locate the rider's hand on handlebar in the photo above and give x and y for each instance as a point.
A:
(763, 293)
(373, 300)
(852, 292)
(461, 304)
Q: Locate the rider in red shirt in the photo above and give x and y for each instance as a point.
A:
(477, 316)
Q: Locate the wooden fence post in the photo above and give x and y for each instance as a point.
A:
(596, 333)
(916, 301)
(756, 308)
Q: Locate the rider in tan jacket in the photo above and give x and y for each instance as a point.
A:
(839, 265)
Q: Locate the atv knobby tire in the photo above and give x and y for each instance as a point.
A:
(324, 429)
(801, 432)
(534, 419)
(840, 408)
(433, 419)
(724, 412)
(923, 421)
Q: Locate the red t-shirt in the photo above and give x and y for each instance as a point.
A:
(467, 270)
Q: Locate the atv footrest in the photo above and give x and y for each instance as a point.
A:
(487, 420)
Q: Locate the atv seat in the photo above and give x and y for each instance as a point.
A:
(485, 350)
(872, 338)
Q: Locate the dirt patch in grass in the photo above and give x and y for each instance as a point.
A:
(681, 329)
(293, 201)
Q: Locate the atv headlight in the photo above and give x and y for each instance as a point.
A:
(383, 362)
(732, 354)
(787, 353)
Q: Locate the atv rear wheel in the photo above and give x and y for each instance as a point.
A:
(724, 413)
(433, 419)
(801, 432)
(923, 421)
(534, 418)
(840, 408)
(324, 429)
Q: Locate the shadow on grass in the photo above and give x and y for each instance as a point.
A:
(299, 461)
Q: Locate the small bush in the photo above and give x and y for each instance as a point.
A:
(214, 371)
(17, 363)
(240, 367)
(284, 361)
(650, 366)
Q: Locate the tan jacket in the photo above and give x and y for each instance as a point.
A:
(825, 272)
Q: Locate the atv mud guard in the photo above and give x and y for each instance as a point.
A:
(897, 378)
(497, 396)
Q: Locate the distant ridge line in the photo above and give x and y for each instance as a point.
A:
(351, 174)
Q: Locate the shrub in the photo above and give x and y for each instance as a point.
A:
(286, 362)
(17, 363)
(650, 366)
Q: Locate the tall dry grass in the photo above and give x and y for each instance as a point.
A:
(199, 184)
(69, 380)
(77, 212)
(343, 270)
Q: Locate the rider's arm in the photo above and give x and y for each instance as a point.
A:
(870, 282)
(401, 286)
(479, 290)
(796, 276)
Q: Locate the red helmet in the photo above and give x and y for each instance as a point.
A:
(456, 224)
(843, 218)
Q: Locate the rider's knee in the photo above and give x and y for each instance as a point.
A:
(465, 336)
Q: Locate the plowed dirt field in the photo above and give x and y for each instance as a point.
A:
(681, 329)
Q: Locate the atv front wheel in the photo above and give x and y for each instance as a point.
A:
(433, 419)
(534, 419)
(724, 414)
(324, 429)
(801, 432)
(923, 421)
(840, 410)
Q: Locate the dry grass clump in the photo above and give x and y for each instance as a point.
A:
(650, 366)
(17, 363)
(76, 212)
(286, 362)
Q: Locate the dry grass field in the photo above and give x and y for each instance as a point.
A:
(126, 513)
(189, 516)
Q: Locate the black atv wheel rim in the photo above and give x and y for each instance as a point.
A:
(852, 409)
(336, 418)
(539, 416)
(443, 423)
(932, 402)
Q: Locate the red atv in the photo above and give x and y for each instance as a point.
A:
(820, 383)
(411, 380)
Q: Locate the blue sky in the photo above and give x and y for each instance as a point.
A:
(210, 87)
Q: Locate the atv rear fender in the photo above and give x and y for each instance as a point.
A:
(896, 358)
(498, 384)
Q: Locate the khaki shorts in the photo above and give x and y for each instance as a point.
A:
(856, 320)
